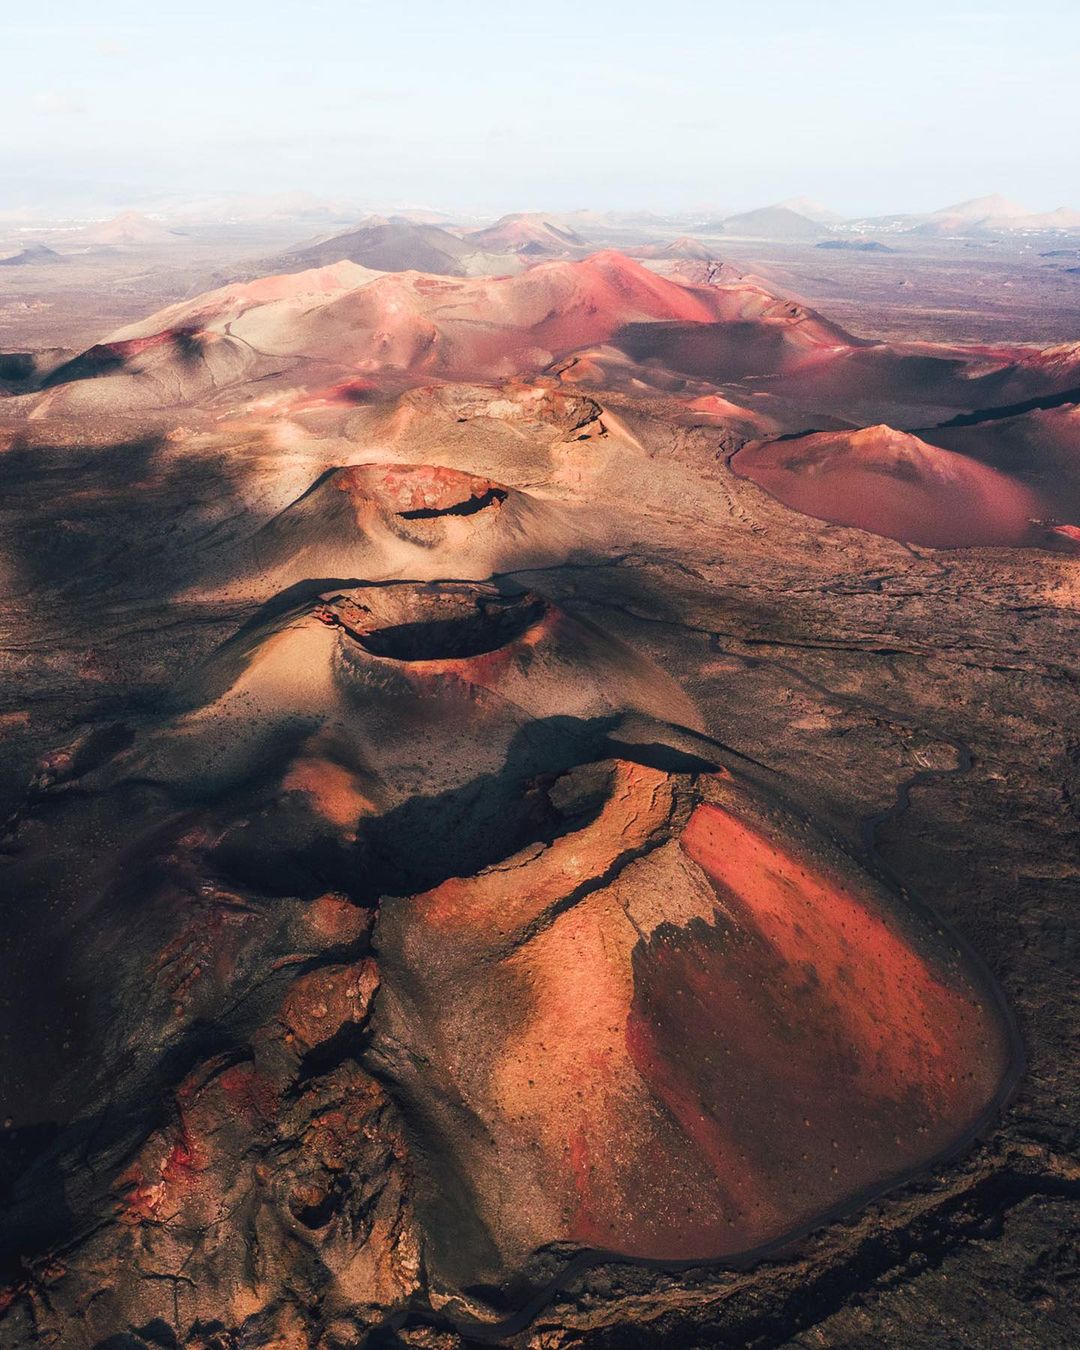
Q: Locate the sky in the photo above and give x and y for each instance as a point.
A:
(871, 106)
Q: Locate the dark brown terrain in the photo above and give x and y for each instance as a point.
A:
(541, 792)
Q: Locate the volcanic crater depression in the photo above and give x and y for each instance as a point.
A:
(450, 624)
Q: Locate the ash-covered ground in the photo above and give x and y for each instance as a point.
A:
(541, 809)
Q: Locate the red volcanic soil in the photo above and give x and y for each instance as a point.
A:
(419, 490)
(1040, 449)
(408, 323)
(338, 322)
(468, 328)
(685, 1056)
(105, 357)
(636, 327)
(883, 1051)
(556, 304)
(525, 233)
(908, 1031)
(714, 407)
(557, 307)
(394, 946)
(753, 333)
(441, 640)
(894, 484)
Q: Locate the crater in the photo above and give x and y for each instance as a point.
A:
(473, 827)
(441, 623)
(422, 491)
(313, 1206)
(469, 507)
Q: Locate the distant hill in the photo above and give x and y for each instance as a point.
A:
(856, 245)
(422, 215)
(527, 232)
(1064, 218)
(997, 215)
(812, 210)
(686, 247)
(130, 229)
(394, 246)
(770, 222)
(31, 256)
(995, 207)
(231, 207)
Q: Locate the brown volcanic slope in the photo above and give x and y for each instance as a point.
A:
(547, 910)
(406, 520)
(392, 246)
(465, 835)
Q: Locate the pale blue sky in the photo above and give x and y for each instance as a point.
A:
(870, 106)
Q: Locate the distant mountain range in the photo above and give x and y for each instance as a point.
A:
(424, 240)
(802, 219)
(995, 215)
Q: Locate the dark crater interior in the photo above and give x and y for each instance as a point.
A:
(460, 628)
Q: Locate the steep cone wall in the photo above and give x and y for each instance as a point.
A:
(670, 1034)
(893, 484)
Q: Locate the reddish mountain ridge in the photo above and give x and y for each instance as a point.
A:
(1039, 448)
(413, 324)
(344, 321)
(526, 233)
(894, 484)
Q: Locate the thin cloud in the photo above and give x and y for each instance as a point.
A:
(58, 103)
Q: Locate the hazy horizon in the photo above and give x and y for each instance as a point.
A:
(617, 106)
